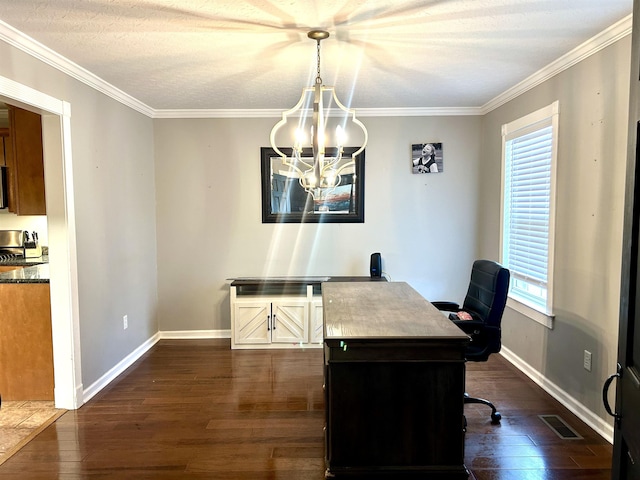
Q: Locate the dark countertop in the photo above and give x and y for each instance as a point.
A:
(240, 281)
(290, 285)
(36, 270)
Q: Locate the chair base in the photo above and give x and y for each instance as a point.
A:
(495, 415)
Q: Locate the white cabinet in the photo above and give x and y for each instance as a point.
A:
(274, 321)
(270, 321)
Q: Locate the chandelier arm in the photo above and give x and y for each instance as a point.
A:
(352, 113)
(283, 121)
(342, 167)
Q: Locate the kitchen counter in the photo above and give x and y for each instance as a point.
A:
(31, 273)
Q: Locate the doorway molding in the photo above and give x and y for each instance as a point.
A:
(61, 226)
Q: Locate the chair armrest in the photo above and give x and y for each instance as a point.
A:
(468, 326)
(446, 306)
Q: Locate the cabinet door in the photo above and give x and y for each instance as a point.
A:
(25, 163)
(289, 323)
(317, 334)
(26, 348)
(252, 323)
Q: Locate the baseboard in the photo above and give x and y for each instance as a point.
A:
(194, 334)
(130, 359)
(578, 409)
(125, 363)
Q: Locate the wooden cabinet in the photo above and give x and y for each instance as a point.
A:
(26, 348)
(23, 157)
(270, 321)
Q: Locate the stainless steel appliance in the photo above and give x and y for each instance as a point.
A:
(11, 244)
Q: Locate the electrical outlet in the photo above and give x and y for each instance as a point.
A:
(587, 360)
(125, 322)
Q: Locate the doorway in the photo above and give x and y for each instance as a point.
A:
(56, 136)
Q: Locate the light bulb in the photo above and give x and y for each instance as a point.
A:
(341, 136)
(330, 180)
(300, 138)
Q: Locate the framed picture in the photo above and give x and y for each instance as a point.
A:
(426, 158)
(284, 200)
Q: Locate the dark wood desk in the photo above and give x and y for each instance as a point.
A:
(394, 384)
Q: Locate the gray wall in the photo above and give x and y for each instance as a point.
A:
(114, 187)
(210, 227)
(594, 105)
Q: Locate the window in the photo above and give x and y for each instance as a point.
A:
(529, 147)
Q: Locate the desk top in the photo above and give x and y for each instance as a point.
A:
(382, 310)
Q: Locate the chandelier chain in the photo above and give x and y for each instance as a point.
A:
(318, 77)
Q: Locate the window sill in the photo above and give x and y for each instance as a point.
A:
(527, 311)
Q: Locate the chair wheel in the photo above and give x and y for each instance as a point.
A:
(496, 417)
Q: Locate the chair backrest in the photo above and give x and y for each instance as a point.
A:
(487, 293)
(485, 301)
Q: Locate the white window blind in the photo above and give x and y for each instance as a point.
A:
(528, 202)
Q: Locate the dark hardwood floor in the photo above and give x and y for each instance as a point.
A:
(194, 409)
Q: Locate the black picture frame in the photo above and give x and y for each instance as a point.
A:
(300, 205)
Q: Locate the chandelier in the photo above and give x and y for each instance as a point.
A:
(322, 126)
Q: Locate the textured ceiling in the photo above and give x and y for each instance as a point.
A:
(254, 54)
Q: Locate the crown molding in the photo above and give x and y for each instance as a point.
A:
(600, 41)
(30, 46)
(360, 112)
(417, 112)
(218, 113)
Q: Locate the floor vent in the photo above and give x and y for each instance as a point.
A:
(560, 428)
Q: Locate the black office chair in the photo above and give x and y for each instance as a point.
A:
(484, 303)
